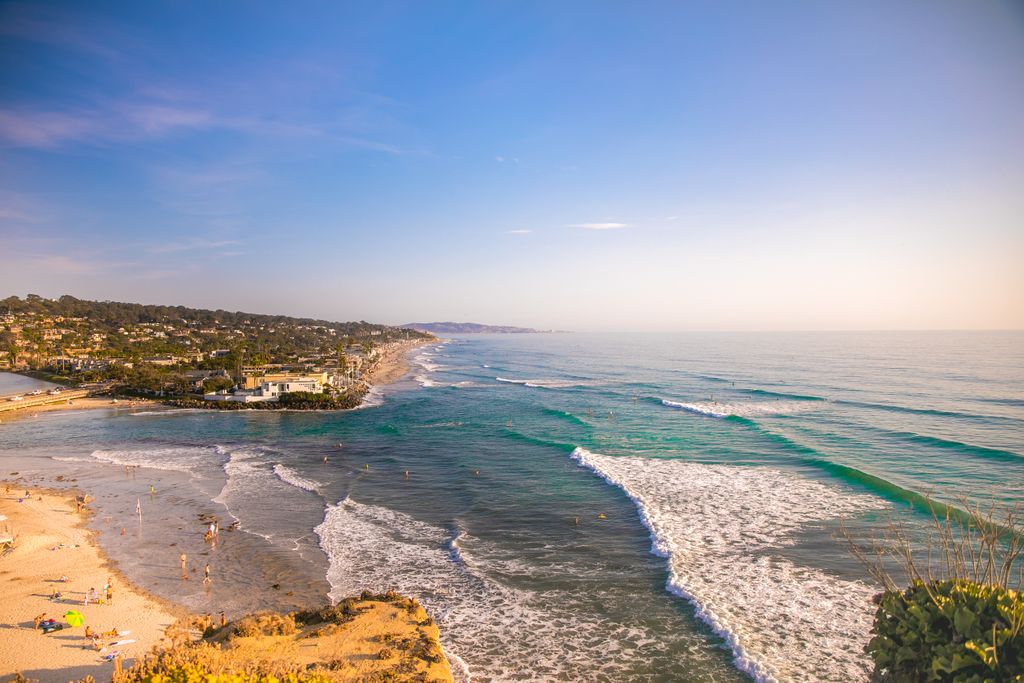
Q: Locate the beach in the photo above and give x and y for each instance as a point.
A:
(393, 363)
(88, 403)
(52, 541)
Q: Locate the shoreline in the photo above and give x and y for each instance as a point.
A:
(88, 403)
(391, 367)
(53, 540)
(358, 638)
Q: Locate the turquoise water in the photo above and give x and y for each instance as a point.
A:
(721, 464)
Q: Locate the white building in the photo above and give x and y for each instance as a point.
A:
(276, 388)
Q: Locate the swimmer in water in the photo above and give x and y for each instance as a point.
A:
(602, 516)
(407, 474)
(325, 459)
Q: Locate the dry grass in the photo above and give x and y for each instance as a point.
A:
(972, 542)
(373, 638)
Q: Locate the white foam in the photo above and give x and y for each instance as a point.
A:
(290, 476)
(171, 459)
(425, 381)
(718, 526)
(373, 398)
(423, 360)
(488, 627)
(541, 383)
(263, 501)
(753, 409)
(70, 458)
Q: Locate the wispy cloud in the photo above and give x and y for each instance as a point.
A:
(191, 244)
(671, 218)
(519, 232)
(66, 30)
(599, 226)
(39, 129)
(131, 121)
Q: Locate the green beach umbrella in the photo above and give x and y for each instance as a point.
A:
(74, 618)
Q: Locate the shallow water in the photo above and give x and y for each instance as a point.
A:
(721, 464)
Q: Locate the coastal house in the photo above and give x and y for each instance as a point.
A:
(271, 389)
(161, 360)
(240, 396)
(256, 378)
(277, 387)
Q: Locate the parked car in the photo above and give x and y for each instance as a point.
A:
(16, 398)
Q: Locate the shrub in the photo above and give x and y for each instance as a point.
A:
(264, 624)
(953, 630)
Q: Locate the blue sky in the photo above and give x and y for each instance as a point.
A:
(582, 165)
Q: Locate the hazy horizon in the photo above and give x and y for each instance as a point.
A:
(580, 166)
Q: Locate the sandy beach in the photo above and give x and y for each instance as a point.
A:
(361, 639)
(393, 363)
(89, 403)
(52, 542)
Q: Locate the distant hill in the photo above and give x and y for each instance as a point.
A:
(469, 328)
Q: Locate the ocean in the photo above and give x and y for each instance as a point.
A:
(570, 507)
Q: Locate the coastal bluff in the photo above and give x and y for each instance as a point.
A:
(373, 637)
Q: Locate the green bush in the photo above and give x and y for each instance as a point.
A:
(954, 630)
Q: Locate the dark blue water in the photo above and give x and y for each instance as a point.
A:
(617, 507)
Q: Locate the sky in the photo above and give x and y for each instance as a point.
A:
(591, 165)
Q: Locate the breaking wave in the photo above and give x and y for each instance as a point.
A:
(765, 408)
(720, 528)
(290, 476)
(490, 629)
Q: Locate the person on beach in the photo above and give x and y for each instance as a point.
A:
(110, 594)
(184, 571)
(85, 598)
(206, 573)
(39, 619)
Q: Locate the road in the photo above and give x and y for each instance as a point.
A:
(7, 404)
